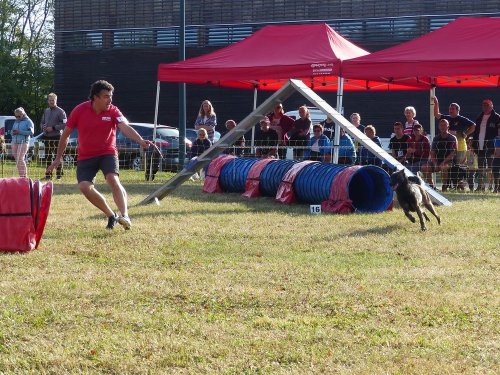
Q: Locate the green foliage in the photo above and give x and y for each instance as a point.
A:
(26, 55)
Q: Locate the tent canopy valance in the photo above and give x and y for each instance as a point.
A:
(271, 56)
(464, 53)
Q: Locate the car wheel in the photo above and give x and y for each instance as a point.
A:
(136, 163)
(68, 161)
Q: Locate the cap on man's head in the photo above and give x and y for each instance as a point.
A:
(417, 126)
(265, 120)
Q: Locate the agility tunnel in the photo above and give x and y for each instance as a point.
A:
(338, 188)
(24, 208)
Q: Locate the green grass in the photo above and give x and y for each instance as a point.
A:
(221, 284)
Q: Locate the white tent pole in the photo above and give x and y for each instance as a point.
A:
(432, 122)
(340, 92)
(253, 127)
(156, 107)
(157, 104)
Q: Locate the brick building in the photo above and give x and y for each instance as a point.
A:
(124, 41)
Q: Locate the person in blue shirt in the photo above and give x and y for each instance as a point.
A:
(366, 157)
(495, 164)
(318, 146)
(347, 151)
(21, 132)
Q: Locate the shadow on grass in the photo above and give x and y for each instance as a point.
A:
(380, 230)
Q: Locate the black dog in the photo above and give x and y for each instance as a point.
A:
(412, 196)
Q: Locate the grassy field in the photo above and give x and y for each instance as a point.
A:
(220, 284)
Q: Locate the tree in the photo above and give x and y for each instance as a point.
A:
(26, 55)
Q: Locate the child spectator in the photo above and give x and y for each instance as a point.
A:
(347, 150)
(471, 163)
(418, 150)
(200, 145)
(366, 157)
(318, 147)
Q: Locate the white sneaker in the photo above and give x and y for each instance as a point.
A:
(125, 222)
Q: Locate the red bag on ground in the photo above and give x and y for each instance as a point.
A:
(24, 208)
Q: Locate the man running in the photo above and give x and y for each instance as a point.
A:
(97, 120)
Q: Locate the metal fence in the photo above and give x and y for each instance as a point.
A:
(467, 171)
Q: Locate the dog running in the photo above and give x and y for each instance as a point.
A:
(412, 197)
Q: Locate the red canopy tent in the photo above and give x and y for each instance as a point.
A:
(271, 56)
(463, 53)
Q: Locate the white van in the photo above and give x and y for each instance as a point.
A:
(316, 115)
(5, 126)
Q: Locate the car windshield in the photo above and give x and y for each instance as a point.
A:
(147, 132)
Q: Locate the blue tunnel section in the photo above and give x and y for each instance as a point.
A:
(234, 174)
(314, 183)
(368, 187)
(271, 176)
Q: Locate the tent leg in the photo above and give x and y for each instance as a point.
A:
(432, 124)
(154, 128)
(252, 149)
(340, 92)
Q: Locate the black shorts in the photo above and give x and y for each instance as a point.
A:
(87, 169)
(483, 160)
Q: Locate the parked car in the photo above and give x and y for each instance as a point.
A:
(131, 154)
(36, 149)
(5, 126)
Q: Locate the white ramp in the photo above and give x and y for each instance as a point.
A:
(253, 118)
(225, 142)
(361, 137)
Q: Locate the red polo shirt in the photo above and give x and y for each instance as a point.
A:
(96, 132)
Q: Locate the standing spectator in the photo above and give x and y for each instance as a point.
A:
(2, 146)
(97, 121)
(328, 128)
(267, 140)
(418, 149)
(443, 150)
(298, 135)
(487, 125)
(22, 130)
(356, 121)
(399, 143)
(318, 146)
(410, 113)
(52, 123)
(207, 119)
(460, 126)
(347, 151)
(239, 145)
(281, 124)
(495, 164)
(366, 157)
(471, 163)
